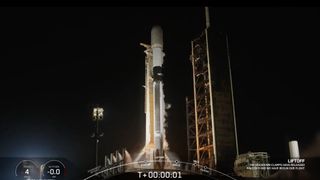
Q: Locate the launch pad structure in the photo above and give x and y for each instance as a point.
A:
(211, 125)
(200, 120)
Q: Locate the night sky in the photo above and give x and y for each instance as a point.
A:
(58, 62)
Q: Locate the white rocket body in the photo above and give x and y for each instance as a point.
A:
(159, 106)
(156, 146)
(157, 46)
(154, 96)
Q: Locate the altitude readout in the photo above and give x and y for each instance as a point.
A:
(53, 169)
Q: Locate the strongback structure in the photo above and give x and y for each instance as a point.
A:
(212, 139)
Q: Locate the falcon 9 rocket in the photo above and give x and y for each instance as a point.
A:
(155, 144)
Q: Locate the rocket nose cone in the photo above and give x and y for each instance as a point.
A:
(156, 36)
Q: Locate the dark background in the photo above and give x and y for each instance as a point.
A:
(58, 62)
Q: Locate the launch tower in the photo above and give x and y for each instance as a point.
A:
(212, 139)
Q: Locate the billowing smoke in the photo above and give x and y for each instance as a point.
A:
(127, 157)
(165, 123)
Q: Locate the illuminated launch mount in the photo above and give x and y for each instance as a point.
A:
(156, 146)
